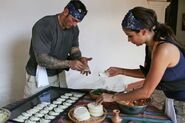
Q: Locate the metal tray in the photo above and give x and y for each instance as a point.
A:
(47, 95)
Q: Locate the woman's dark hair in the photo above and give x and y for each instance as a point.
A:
(148, 19)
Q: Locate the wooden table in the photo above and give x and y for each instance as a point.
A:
(151, 115)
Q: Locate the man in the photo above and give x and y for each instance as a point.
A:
(55, 48)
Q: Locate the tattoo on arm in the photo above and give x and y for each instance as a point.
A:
(50, 62)
(75, 53)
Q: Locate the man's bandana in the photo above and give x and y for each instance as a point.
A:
(76, 13)
(130, 22)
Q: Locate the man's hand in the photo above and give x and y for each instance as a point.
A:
(76, 65)
(85, 60)
(87, 70)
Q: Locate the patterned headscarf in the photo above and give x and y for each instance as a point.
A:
(76, 13)
(130, 22)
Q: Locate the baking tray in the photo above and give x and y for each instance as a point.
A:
(47, 95)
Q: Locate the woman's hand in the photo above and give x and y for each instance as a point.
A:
(105, 98)
(113, 71)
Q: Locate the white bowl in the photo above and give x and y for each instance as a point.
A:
(4, 115)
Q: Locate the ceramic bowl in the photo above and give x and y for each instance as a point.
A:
(134, 107)
(4, 115)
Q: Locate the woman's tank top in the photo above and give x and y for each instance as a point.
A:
(175, 76)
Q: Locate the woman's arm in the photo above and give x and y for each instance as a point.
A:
(113, 71)
(163, 57)
(160, 61)
(135, 85)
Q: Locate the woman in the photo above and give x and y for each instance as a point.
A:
(164, 61)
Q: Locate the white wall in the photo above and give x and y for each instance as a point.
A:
(101, 37)
(180, 34)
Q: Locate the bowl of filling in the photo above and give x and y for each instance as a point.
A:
(134, 107)
(97, 92)
(4, 115)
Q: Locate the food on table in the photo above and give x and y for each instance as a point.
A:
(34, 118)
(140, 102)
(100, 91)
(39, 115)
(97, 92)
(18, 120)
(29, 121)
(44, 120)
(70, 101)
(74, 98)
(31, 111)
(4, 115)
(78, 95)
(45, 112)
(21, 117)
(48, 108)
(88, 113)
(64, 97)
(62, 107)
(60, 99)
(26, 114)
(53, 113)
(134, 107)
(53, 105)
(58, 110)
(95, 110)
(81, 113)
(57, 102)
(68, 94)
(49, 117)
(66, 104)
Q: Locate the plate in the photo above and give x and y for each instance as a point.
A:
(91, 120)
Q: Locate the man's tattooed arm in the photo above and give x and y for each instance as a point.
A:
(75, 53)
(52, 63)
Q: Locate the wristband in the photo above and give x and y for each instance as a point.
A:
(114, 98)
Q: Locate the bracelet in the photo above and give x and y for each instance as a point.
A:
(113, 97)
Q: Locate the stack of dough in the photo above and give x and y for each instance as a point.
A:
(95, 110)
(81, 113)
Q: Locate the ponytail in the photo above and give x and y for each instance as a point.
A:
(163, 32)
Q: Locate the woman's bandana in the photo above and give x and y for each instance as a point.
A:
(130, 22)
(76, 13)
